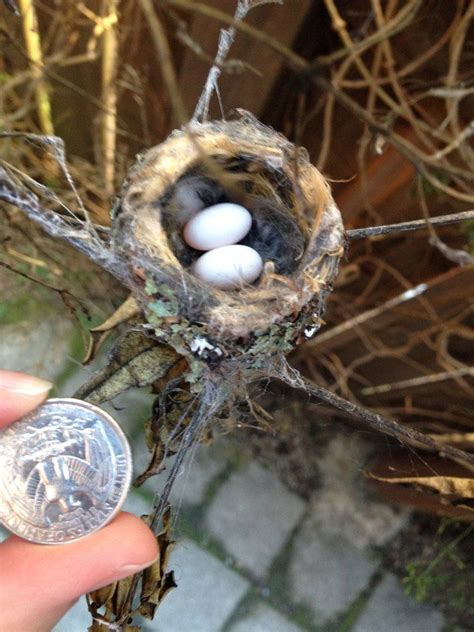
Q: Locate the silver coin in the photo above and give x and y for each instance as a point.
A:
(65, 470)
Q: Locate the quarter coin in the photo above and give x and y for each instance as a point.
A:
(65, 470)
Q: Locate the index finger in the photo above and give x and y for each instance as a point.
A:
(19, 393)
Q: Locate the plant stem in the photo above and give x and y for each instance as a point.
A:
(390, 229)
(35, 57)
(109, 93)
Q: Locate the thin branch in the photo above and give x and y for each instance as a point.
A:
(164, 54)
(209, 405)
(461, 257)
(297, 62)
(418, 381)
(67, 297)
(368, 315)
(373, 419)
(33, 46)
(109, 93)
(403, 227)
(226, 39)
(11, 6)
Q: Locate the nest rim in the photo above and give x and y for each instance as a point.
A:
(138, 231)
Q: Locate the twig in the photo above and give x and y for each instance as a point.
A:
(311, 71)
(207, 408)
(415, 63)
(164, 53)
(461, 257)
(466, 133)
(109, 93)
(226, 39)
(405, 148)
(368, 315)
(456, 48)
(231, 66)
(392, 27)
(12, 6)
(379, 422)
(297, 62)
(395, 229)
(35, 56)
(418, 381)
(66, 296)
(340, 26)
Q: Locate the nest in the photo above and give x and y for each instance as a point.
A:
(296, 228)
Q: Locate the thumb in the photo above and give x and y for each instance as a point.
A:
(39, 583)
(20, 393)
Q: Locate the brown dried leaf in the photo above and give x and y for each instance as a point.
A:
(448, 485)
(98, 626)
(98, 335)
(127, 310)
(156, 581)
(135, 361)
(112, 598)
(103, 596)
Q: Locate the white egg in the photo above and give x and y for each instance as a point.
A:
(218, 225)
(229, 267)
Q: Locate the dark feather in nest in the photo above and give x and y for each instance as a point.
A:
(275, 235)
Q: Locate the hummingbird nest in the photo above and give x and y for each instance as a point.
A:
(296, 228)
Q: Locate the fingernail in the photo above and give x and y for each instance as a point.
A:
(23, 384)
(131, 569)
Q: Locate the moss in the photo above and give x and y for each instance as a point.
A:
(21, 308)
(435, 559)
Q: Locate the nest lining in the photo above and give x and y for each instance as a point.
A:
(296, 228)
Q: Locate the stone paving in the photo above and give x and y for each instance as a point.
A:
(251, 555)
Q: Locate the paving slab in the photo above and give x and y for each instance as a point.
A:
(263, 618)
(39, 346)
(327, 573)
(77, 619)
(252, 516)
(344, 504)
(202, 465)
(207, 592)
(390, 610)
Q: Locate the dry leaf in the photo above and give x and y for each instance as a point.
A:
(127, 310)
(98, 335)
(452, 485)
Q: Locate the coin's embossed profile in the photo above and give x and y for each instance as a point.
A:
(65, 470)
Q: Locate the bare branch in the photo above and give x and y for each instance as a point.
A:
(395, 229)
(373, 419)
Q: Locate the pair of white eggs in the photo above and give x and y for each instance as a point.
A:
(226, 265)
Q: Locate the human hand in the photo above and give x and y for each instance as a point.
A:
(39, 583)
